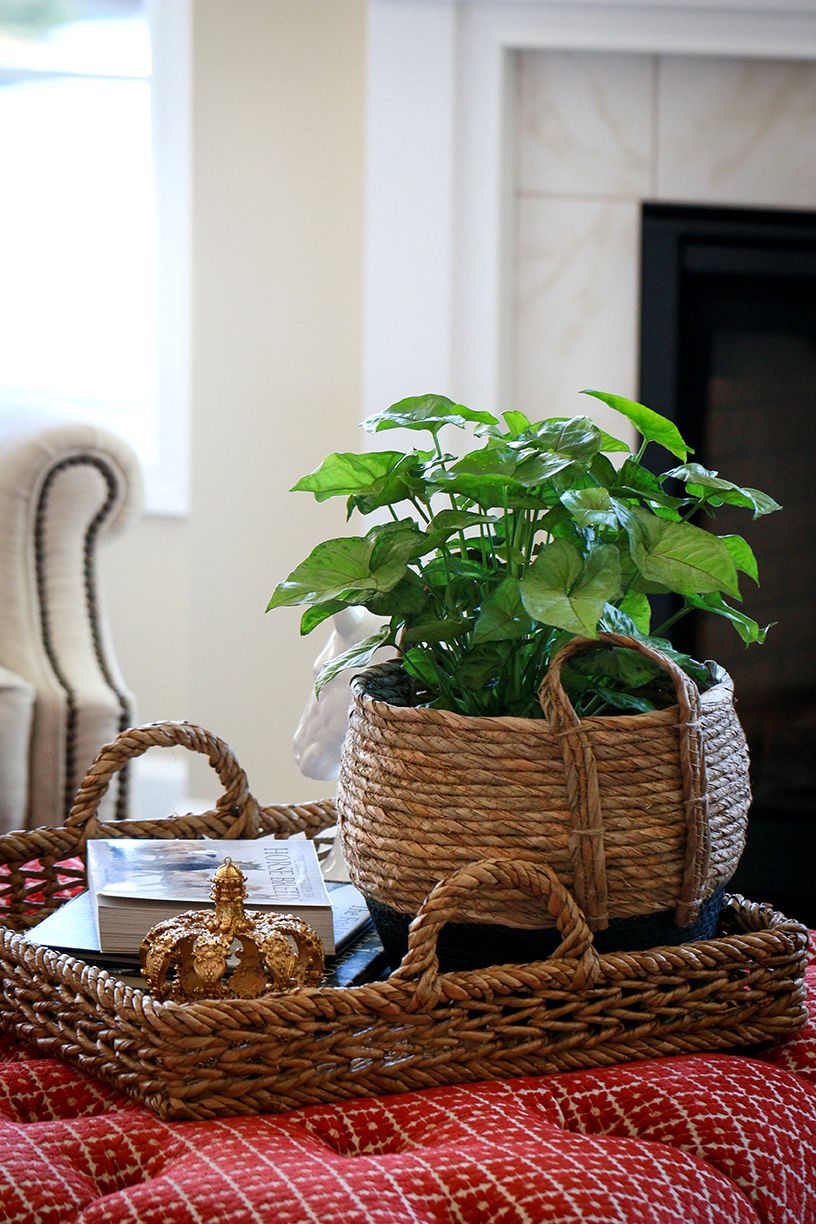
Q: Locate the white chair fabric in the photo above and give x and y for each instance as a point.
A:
(64, 488)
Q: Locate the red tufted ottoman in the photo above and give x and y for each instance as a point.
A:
(717, 1138)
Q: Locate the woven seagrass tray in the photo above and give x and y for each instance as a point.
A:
(416, 1029)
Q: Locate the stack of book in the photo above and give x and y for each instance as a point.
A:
(134, 883)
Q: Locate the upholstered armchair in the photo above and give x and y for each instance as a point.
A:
(64, 488)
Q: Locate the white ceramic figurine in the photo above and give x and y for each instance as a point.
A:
(322, 727)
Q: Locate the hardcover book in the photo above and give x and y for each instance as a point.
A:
(358, 957)
(135, 883)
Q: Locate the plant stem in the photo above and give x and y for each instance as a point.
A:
(508, 543)
(421, 512)
(594, 706)
(692, 510)
(532, 536)
(667, 624)
(485, 528)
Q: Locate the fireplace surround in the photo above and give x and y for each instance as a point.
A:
(442, 242)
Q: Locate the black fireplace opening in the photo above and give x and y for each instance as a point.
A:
(728, 351)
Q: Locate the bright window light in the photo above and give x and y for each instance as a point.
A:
(78, 240)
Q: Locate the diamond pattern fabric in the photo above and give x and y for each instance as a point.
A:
(703, 1139)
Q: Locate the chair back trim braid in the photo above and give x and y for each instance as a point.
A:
(92, 606)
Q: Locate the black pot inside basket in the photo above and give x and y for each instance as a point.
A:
(477, 945)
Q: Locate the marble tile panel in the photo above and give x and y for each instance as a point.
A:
(585, 123)
(576, 307)
(736, 131)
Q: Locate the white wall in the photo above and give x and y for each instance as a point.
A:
(278, 133)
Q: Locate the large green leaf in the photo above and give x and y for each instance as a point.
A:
(564, 589)
(407, 598)
(404, 480)
(742, 555)
(319, 613)
(571, 437)
(398, 542)
(449, 523)
(358, 655)
(502, 616)
(335, 568)
(561, 444)
(650, 424)
(591, 507)
(636, 605)
(748, 629)
(634, 480)
(491, 475)
(701, 482)
(343, 474)
(502, 464)
(445, 630)
(429, 412)
(491, 464)
(684, 558)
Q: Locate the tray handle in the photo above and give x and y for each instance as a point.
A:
(236, 806)
(574, 963)
(586, 841)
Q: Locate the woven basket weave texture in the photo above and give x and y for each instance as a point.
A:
(637, 814)
(416, 1029)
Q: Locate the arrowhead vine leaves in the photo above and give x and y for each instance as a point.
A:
(492, 560)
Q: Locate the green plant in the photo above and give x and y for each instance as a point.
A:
(495, 559)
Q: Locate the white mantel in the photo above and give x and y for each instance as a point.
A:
(441, 140)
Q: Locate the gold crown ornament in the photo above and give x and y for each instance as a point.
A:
(230, 953)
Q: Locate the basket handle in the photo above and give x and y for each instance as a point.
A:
(574, 963)
(236, 805)
(586, 840)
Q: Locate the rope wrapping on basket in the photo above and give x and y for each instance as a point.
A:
(587, 836)
(639, 814)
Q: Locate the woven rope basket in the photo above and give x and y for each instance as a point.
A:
(416, 1029)
(637, 814)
